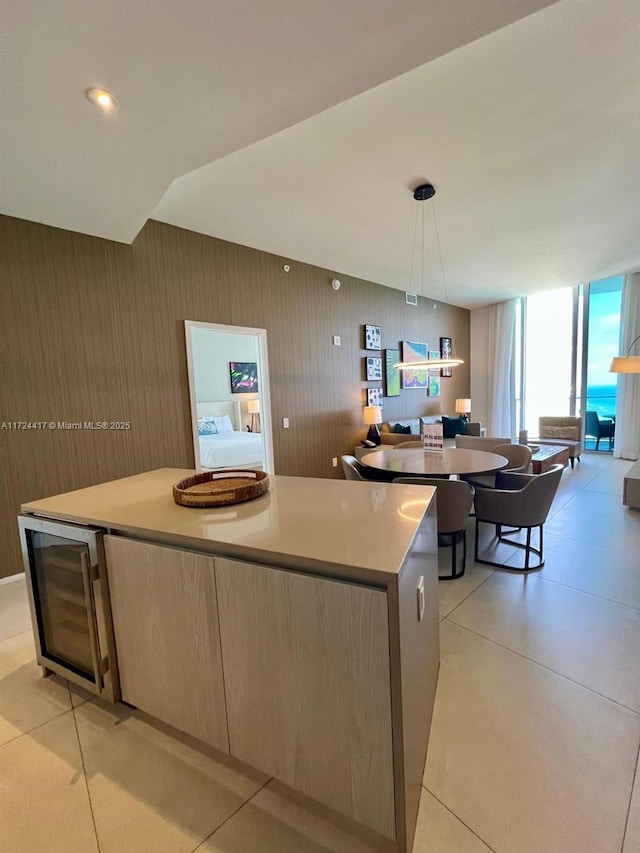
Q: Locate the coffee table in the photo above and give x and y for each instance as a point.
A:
(547, 455)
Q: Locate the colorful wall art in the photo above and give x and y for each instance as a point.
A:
(414, 377)
(434, 377)
(392, 374)
(244, 377)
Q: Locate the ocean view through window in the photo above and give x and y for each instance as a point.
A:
(564, 345)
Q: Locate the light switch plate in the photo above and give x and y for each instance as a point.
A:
(285, 423)
(336, 340)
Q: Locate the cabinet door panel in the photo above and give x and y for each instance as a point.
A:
(165, 623)
(306, 666)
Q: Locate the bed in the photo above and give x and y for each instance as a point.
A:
(222, 441)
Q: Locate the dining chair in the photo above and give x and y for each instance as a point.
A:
(477, 442)
(519, 501)
(519, 462)
(454, 499)
(600, 428)
(352, 468)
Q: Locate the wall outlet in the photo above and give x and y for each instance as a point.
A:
(335, 461)
(336, 340)
(285, 423)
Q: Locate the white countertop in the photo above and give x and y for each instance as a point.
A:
(348, 529)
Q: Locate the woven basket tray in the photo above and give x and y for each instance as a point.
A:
(211, 488)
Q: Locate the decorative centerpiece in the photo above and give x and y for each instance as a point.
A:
(220, 488)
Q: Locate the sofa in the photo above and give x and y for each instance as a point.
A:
(389, 436)
(565, 431)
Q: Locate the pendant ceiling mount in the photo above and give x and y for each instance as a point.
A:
(424, 192)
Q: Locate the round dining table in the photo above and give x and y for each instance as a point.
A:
(434, 463)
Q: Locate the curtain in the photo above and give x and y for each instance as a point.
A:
(627, 441)
(501, 364)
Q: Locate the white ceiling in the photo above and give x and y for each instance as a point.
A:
(299, 127)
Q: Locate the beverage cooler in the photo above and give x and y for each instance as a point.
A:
(69, 598)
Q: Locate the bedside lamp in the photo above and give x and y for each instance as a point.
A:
(373, 417)
(463, 407)
(253, 407)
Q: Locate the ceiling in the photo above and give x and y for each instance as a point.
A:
(300, 128)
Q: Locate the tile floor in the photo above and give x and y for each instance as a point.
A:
(534, 742)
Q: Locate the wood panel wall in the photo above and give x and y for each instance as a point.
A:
(93, 331)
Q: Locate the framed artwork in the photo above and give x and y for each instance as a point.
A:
(372, 337)
(446, 348)
(374, 369)
(374, 396)
(392, 375)
(414, 377)
(433, 389)
(244, 377)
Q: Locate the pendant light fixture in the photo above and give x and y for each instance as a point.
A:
(422, 194)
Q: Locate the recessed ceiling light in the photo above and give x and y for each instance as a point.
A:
(101, 98)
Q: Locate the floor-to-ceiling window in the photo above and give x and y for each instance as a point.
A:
(603, 336)
(565, 341)
(548, 354)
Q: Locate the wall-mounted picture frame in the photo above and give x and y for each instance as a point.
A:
(374, 397)
(433, 389)
(244, 377)
(372, 337)
(414, 377)
(374, 369)
(392, 374)
(446, 348)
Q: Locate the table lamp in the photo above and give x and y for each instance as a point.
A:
(253, 407)
(373, 417)
(463, 407)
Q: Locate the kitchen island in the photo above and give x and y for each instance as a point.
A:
(297, 632)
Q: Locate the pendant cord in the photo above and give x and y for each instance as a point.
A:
(422, 271)
(435, 225)
(413, 253)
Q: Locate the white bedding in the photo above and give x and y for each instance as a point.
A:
(231, 449)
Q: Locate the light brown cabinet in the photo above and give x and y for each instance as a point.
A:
(165, 618)
(306, 664)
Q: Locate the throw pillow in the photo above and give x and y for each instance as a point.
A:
(402, 430)
(451, 427)
(207, 426)
(570, 432)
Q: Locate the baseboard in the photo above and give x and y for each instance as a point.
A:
(12, 578)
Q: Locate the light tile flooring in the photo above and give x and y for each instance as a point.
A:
(534, 742)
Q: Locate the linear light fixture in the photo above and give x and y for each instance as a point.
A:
(626, 363)
(422, 193)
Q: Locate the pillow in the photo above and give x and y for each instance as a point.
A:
(451, 427)
(570, 432)
(223, 423)
(402, 430)
(207, 426)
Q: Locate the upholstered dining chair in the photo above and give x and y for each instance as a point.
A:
(519, 501)
(454, 499)
(352, 468)
(600, 428)
(519, 456)
(477, 442)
